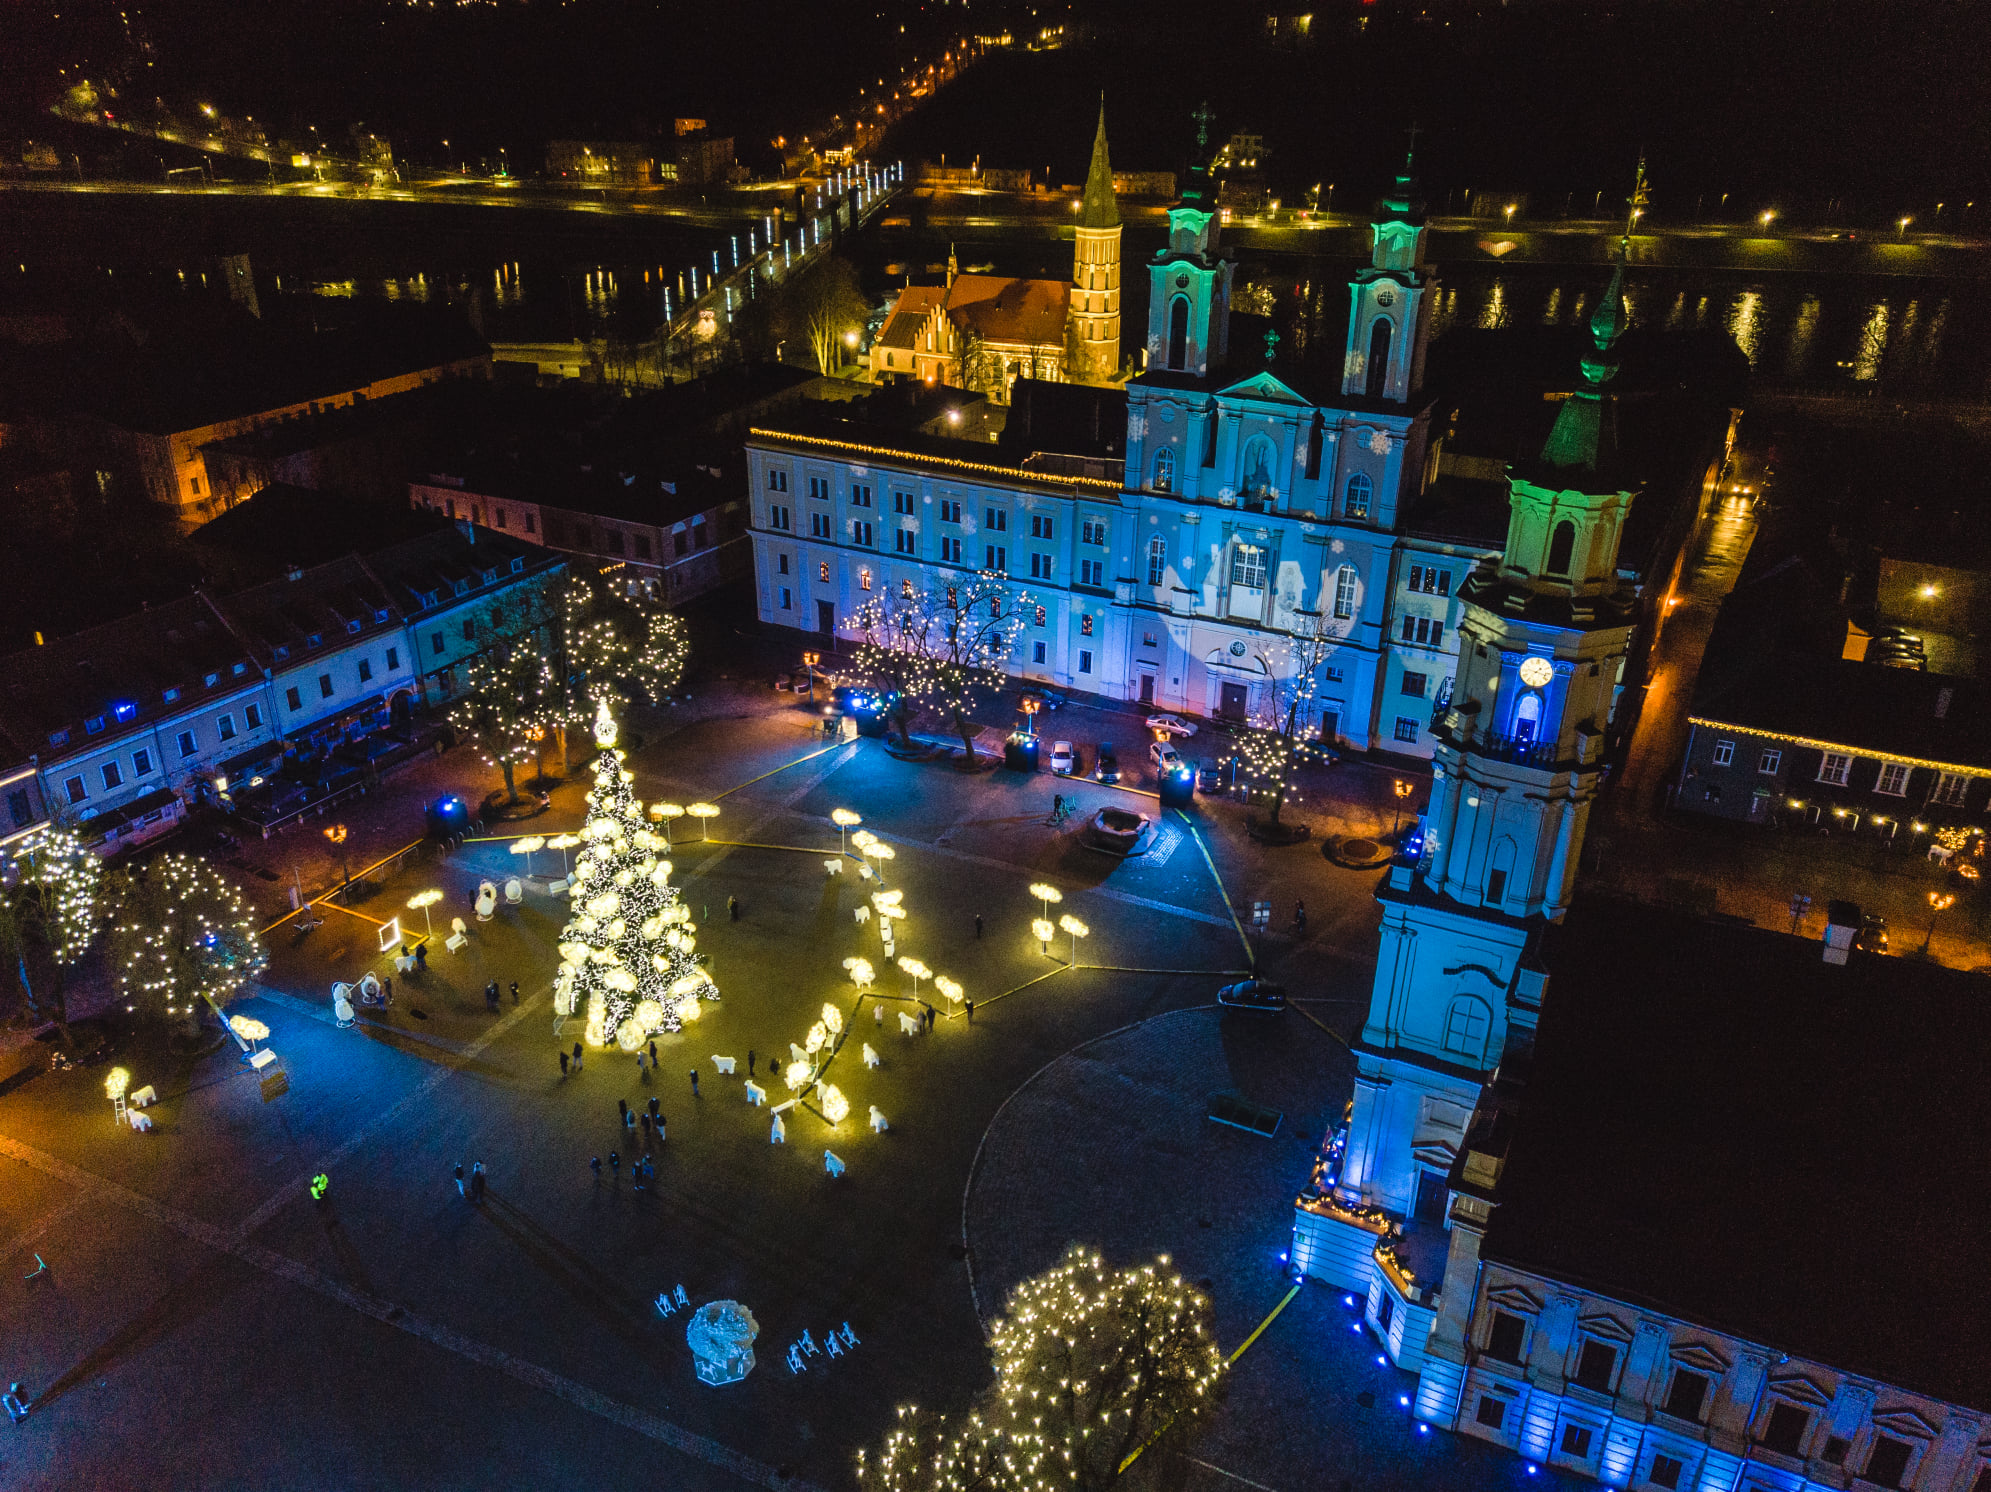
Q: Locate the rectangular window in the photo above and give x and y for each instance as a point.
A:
(860, 533)
(681, 541)
(393, 659)
(1344, 592)
(1505, 1337)
(1248, 566)
(1492, 1412)
(1893, 779)
(1040, 617)
(1576, 1441)
(93, 725)
(1085, 626)
(1595, 1364)
(141, 764)
(1784, 1430)
(1147, 639)
(499, 513)
(777, 517)
(1724, 753)
(906, 589)
(1687, 1395)
(225, 725)
(1040, 566)
(819, 528)
(864, 579)
(1157, 560)
(1666, 1472)
(860, 495)
(58, 738)
(1092, 572)
(188, 745)
(998, 520)
(1413, 684)
(470, 625)
(253, 714)
(781, 564)
(1834, 767)
(1093, 531)
(18, 809)
(1386, 1313)
(995, 557)
(436, 643)
(1085, 660)
(642, 543)
(777, 480)
(1036, 652)
(950, 550)
(1040, 526)
(1409, 628)
(112, 776)
(902, 502)
(1406, 728)
(904, 541)
(1888, 1463)
(171, 695)
(823, 571)
(1835, 1450)
(290, 697)
(1951, 787)
(365, 670)
(819, 488)
(324, 686)
(1429, 580)
(528, 522)
(73, 786)
(787, 601)
(950, 511)
(1333, 674)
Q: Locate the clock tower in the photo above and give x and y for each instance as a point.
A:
(1542, 641)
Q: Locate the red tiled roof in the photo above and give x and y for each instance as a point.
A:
(1030, 312)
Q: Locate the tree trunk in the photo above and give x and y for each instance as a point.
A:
(1278, 802)
(903, 719)
(511, 786)
(967, 737)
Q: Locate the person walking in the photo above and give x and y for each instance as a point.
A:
(694, 1082)
(594, 1164)
(971, 1012)
(422, 957)
(661, 1136)
(387, 991)
(629, 1123)
(978, 924)
(653, 1051)
(514, 992)
(750, 1061)
(563, 1064)
(577, 1056)
(640, 1069)
(459, 1178)
(622, 1107)
(733, 908)
(615, 1163)
(1299, 916)
(477, 1183)
(491, 996)
(653, 1105)
(646, 1129)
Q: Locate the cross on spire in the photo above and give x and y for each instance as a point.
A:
(1410, 155)
(1202, 116)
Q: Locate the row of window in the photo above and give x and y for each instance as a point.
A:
(1835, 769)
(1256, 483)
(76, 788)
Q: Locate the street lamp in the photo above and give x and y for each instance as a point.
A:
(336, 833)
(1510, 212)
(1901, 227)
(1767, 214)
(704, 813)
(526, 846)
(1403, 791)
(421, 901)
(917, 969)
(1047, 894)
(845, 820)
(1078, 930)
(809, 662)
(1939, 902)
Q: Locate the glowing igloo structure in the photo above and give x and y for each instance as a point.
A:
(721, 1334)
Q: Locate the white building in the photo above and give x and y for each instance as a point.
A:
(1169, 561)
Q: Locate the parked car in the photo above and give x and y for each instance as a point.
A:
(1872, 935)
(1209, 776)
(1163, 756)
(1046, 699)
(1062, 760)
(1106, 765)
(1174, 725)
(1253, 994)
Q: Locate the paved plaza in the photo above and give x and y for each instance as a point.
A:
(204, 1324)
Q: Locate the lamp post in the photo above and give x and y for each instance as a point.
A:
(1939, 902)
(704, 813)
(562, 843)
(1047, 894)
(809, 662)
(881, 852)
(421, 901)
(917, 969)
(526, 846)
(1402, 790)
(336, 833)
(1078, 930)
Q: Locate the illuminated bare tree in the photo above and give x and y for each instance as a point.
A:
(934, 647)
(1272, 749)
(49, 911)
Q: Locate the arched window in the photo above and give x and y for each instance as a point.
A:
(1157, 560)
(1316, 439)
(1528, 716)
(1466, 1025)
(1178, 332)
(1164, 478)
(1562, 545)
(1255, 476)
(1379, 356)
(1355, 501)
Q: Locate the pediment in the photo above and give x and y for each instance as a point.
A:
(1701, 1359)
(1905, 1423)
(1263, 386)
(1514, 1298)
(1800, 1390)
(1606, 1328)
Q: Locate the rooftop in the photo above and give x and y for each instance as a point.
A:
(1721, 1126)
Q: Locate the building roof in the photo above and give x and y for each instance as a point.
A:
(295, 526)
(1100, 208)
(310, 613)
(909, 313)
(1029, 313)
(1721, 1126)
(1065, 419)
(433, 566)
(1865, 707)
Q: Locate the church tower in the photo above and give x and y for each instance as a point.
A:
(1542, 642)
(1096, 270)
(1389, 302)
(1189, 281)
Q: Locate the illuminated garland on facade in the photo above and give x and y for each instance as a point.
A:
(952, 463)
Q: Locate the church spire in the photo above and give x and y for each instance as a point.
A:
(1584, 437)
(1101, 208)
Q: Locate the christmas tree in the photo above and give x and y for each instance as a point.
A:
(626, 955)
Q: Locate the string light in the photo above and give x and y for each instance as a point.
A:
(932, 649)
(182, 935)
(50, 891)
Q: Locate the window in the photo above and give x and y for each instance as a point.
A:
(1036, 652)
(642, 545)
(950, 550)
(1333, 674)
(290, 697)
(225, 725)
(1355, 497)
(1406, 728)
(324, 686)
(823, 571)
(1085, 660)
(470, 630)
(1506, 1336)
(1429, 580)
(1595, 1364)
(1386, 1313)
(112, 776)
(518, 565)
(1085, 626)
(905, 541)
(1950, 789)
(187, 744)
(777, 517)
(1178, 332)
(1147, 639)
(1040, 526)
(1893, 779)
(860, 495)
(777, 480)
(1092, 572)
(1562, 546)
(436, 643)
(253, 714)
(950, 511)
(681, 541)
(1422, 629)
(998, 520)
(1834, 767)
(94, 724)
(1784, 1430)
(995, 557)
(1040, 566)
(905, 590)
(902, 502)
(141, 764)
(1666, 1472)
(781, 564)
(1770, 761)
(1092, 531)
(1248, 566)
(1492, 1412)
(365, 669)
(1344, 592)
(1889, 1461)
(171, 695)
(58, 738)
(1835, 1450)
(819, 528)
(1465, 1028)
(860, 533)
(500, 514)
(282, 651)
(787, 600)
(1689, 1392)
(864, 579)
(819, 488)
(1164, 473)
(953, 599)
(1724, 753)
(1413, 684)
(393, 659)
(1576, 1441)
(18, 809)
(313, 640)
(73, 786)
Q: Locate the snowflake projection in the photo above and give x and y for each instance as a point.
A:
(626, 954)
(1379, 442)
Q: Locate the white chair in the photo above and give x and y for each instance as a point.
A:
(831, 1163)
(870, 1055)
(487, 901)
(756, 1095)
(557, 888)
(514, 891)
(459, 938)
(144, 1098)
(724, 1064)
(779, 1134)
(342, 1011)
(878, 1124)
(909, 1025)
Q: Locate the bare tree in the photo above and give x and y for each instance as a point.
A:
(932, 647)
(1274, 746)
(820, 305)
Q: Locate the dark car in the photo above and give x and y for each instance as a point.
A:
(1106, 767)
(1044, 699)
(1872, 936)
(1253, 994)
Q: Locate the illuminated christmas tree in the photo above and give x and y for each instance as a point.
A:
(626, 954)
(182, 937)
(1094, 1366)
(49, 911)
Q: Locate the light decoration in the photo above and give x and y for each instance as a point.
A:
(934, 648)
(861, 973)
(249, 1028)
(421, 901)
(845, 820)
(1093, 1366)
(182, 935)
(510, 697)
(626, 954)
(881, 852)
(526, 847)
(1061, 486)
(948, 987)
(1044, 931)
(817, 1039)
(835, 1107)
(665, 813)
(918, 970)
(1077, 929)
(50, 890)
(832, 1019)
(797, 1075)
(1048, 894)
(116, 1082)
(704, 813)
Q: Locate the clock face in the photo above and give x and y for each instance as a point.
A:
(1386, 297)
(1535, 672)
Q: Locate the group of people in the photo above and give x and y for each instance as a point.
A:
(491, 998)
(474, 1188)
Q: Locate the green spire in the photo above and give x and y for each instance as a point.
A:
(1101, 209)
(1583, 437)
